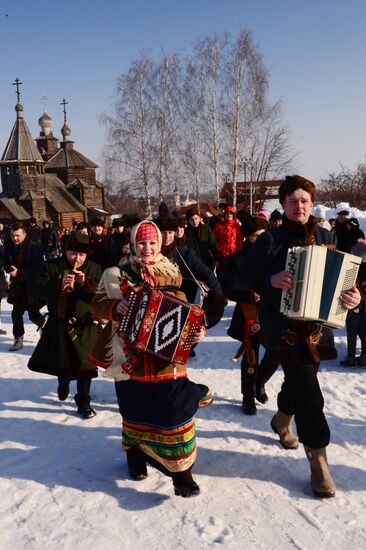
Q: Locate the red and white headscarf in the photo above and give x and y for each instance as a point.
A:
(147, 230)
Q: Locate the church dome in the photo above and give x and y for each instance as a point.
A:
(66, 132)
(45, 122)
(19, 110)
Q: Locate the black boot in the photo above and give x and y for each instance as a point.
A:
(82, 399)
(265, 371)
(260, 394)
(184, 484)
(136, 463)
(63, 387)
(248, 405)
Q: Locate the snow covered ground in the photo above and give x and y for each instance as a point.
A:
(64, 481)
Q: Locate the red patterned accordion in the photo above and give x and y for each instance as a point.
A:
(160, 325)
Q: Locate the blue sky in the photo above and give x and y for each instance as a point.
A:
(314, 51)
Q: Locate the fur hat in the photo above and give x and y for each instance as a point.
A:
(292, 183)
(193, 211)
(251, 225)
(353, 222)
(275, 216)
(97, 221)
(243, 216)
(78, 243)
(118, 222)
(167, 223)
(131, 219)
(163, 209)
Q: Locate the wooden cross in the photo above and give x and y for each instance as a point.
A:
(64, 103)
(44, 99)
(17, 83)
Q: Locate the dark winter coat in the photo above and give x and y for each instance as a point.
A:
(268, 257)
(113, 246)
(230, 275)
(342, 236)
(187, 260)
(69, 333)
(48, 242)
(203, 242)
(215, 302)
(3, 281)
(34, 233)
(354, 234)
(28, 259)
(99, 250)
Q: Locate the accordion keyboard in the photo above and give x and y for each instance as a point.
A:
(296, 266)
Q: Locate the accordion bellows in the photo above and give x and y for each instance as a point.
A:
(320, 275)
(160, 325)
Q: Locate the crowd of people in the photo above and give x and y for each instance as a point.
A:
(87, 275)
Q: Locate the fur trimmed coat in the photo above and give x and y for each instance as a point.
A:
(108, 350)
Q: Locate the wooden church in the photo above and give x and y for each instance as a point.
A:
(48, 179)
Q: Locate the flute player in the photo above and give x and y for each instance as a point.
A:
(68, 285)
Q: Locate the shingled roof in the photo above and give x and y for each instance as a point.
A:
(14, 208)
(21, 146)
(70, 158)
(59, 197)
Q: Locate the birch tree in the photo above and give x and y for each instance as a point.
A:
(246, 86)
(207, 64)
(130, 130)
(166, 86)
(184, 120)
(191, 147)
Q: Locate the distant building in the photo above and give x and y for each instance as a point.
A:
(261, 191)
(48, 181)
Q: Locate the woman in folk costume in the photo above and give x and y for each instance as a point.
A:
(156, 399)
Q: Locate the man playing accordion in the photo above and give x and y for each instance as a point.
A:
(294, 343)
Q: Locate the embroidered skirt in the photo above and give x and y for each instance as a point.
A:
(159, 418)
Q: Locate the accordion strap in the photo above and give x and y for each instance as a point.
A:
(140, 281)
(200, 286)
(167, 288)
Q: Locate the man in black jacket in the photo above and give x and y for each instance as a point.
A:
(26, 260)
(200, 237)
(294, 343)
(68, 284)
(192, 269)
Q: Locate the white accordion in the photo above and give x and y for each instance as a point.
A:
(320, 275)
